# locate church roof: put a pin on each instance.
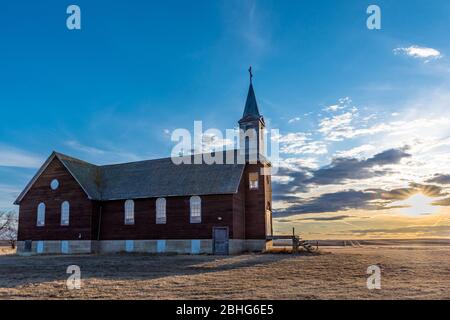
(148, 179)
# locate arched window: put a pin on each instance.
(65, 213)
(41, 215)
(161, 211)
(129, 212)
(196, 209)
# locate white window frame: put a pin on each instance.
(129, 212)
(253, 181)
(195, 209)
(161, 217)
(65, 213)
(40, 219)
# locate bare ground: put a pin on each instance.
(421, 272)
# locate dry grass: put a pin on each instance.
(407, 273)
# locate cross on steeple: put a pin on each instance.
(251, 74)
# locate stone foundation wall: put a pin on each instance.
(236, 246)
(56, 247)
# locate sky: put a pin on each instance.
(363, 115)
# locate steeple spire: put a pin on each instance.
(251, 106)
(251, 137)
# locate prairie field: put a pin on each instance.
(407, 272)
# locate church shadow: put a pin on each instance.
(33, 270)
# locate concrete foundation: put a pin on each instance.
(193, 246)
(56, 247)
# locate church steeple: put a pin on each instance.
(252, 124)
(251, 106)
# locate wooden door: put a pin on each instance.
(220, 241)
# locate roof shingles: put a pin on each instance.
(153, 178)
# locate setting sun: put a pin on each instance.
(418, 204)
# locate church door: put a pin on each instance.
(220, 239)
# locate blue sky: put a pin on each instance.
(114, 90)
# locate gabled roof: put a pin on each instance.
(86, 174)
(163, 178)
(148, 179)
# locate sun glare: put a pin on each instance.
(418, 204)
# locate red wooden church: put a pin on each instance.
(71, 206)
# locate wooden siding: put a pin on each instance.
(69, 190)
(239, 211)
(256, 204)
(178, 226)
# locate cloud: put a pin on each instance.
(439, 230)
(340, 127)
(300, 143)
(7, 196)
(293, 179)
(417, 52)
(334, 108)
(342, 169)
(83, 148)
(442, 202)
(440, 179)
(355, 152)
(251, 23)
(13, 157)
(104, 156)
(336, 127)
(369, 199)
(334, 218)
(331, 202)
(294, 120)
(343, 103)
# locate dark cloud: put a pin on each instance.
(335, 218)
(405, 193)
(284, 191)
(440, 179)
(442, 202)
(370, 199)
(439, 230)
(331, 202)
(342, 169)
